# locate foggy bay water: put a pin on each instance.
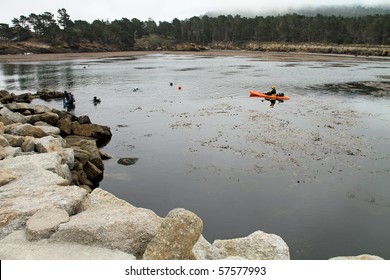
(314, 170)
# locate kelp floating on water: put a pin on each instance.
(374, 88)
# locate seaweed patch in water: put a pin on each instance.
(242, 66)
(190, 69)
(144, 68)
(340, 65)
(379, 89)
(290, 65)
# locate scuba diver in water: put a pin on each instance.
(96, 100)
(69, 101)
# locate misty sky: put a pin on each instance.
(159, 10)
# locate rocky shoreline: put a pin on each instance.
(37, 47)
(51, 207)
(36, 128)
(270, 54)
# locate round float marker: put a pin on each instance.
(179, 88)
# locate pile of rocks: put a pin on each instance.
(45, 94)
(27, 129)
(8, 97)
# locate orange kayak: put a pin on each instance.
(263, 95)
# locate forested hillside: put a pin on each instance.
(123, 34)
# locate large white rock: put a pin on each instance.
(12, 116)
(47, 117)
(18, 205)
(45, 222)
(364, 257)
(50, 130)
(25, 130)
(49, 144)
(34, 108)
(257, 246)
(16, 247)
(102, 198)
(111, 224)
(30, 166)
(37, 186)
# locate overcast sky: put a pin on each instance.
(158, 10)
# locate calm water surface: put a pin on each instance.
(314, 170)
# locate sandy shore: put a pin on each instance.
(280, 56)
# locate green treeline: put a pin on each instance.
(204, 30)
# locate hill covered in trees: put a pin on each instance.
(49, 33)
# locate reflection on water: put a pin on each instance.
(30, 76)
(313, 170)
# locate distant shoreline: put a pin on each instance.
(282, 56)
